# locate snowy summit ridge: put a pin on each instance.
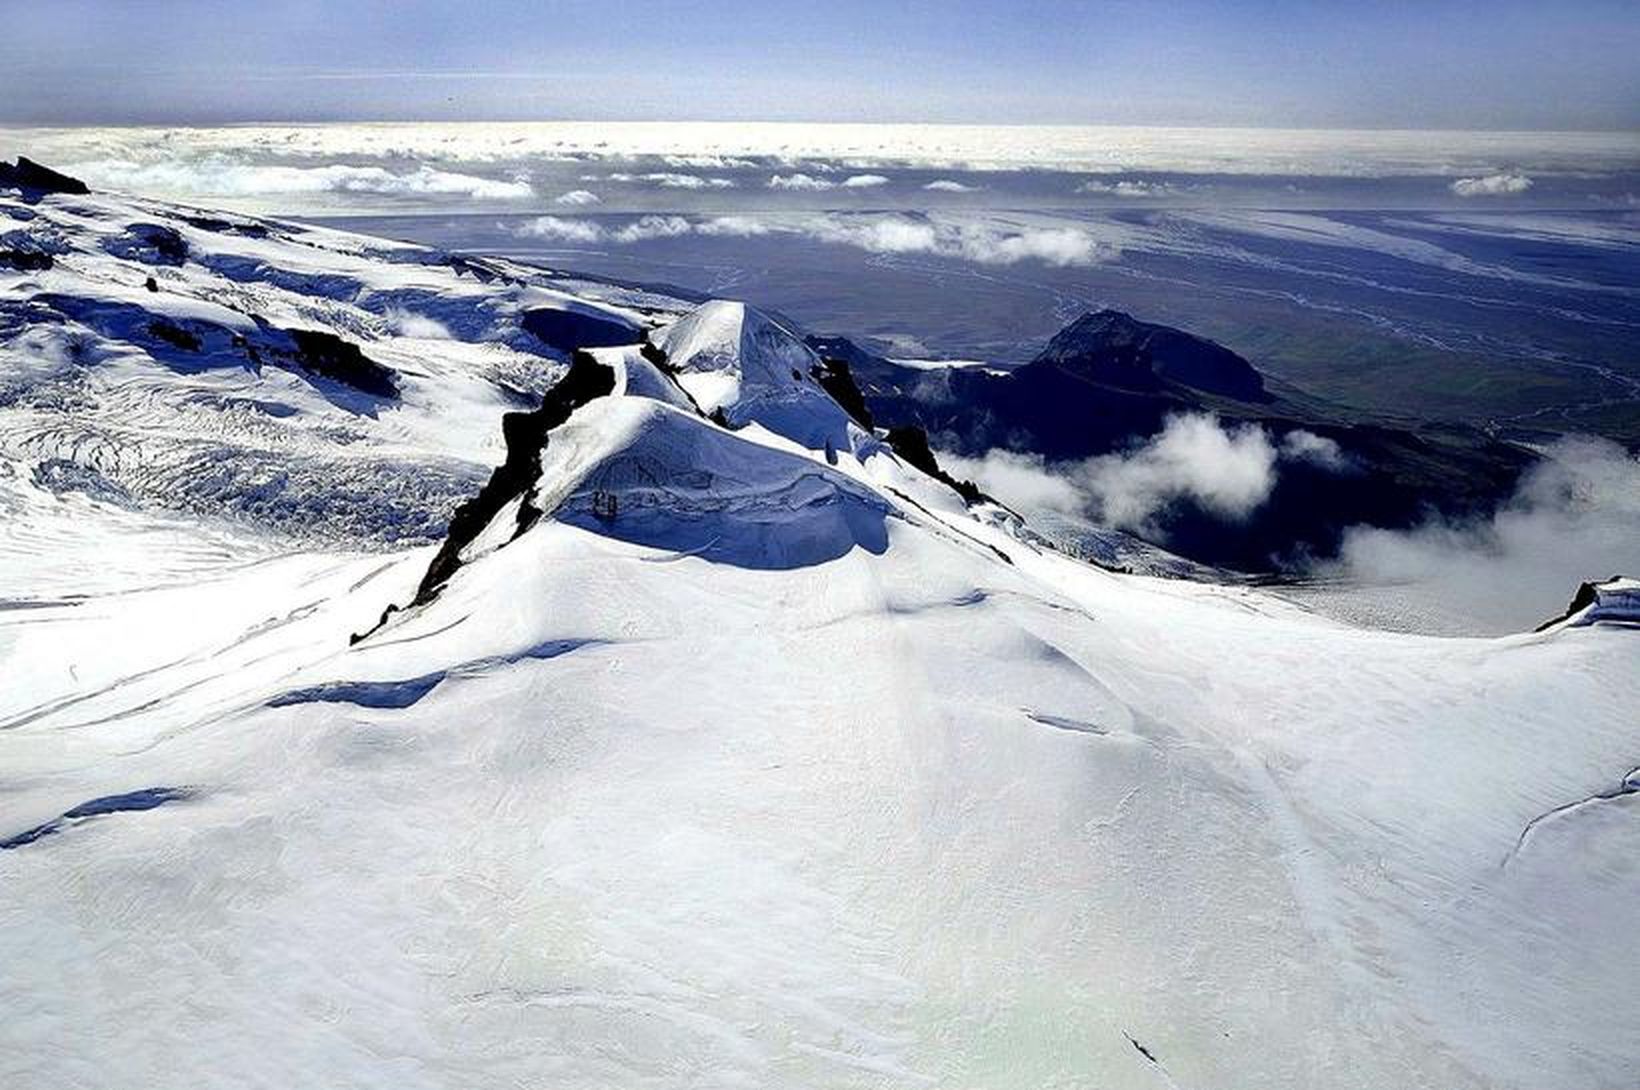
(693, 736)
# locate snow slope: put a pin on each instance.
(735, 360)
(783, 769)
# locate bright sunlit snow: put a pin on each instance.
(759, 760)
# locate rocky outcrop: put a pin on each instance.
(174, 335)
(526, 437)
(332, 357)
(31, 177)
(151, 244)
(245, 228)
(911, 443)
(1615, 600)
(834, 377)
(25, 260)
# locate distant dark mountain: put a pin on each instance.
(1115, 349)
(1107, 382)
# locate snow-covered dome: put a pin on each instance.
(736, 360)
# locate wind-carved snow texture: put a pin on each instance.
(1628, 785)
(130, 801)
(402, 694)
(735, 750)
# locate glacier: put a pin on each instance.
(733, 749)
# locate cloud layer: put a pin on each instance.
(1229, 470)
(221, 177)
(1492, 185)
(1129, 188)
(808, 148)
(667, 179)
(1575, 517)
(884, 234)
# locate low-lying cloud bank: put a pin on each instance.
(801, 147)
(1129, 188)
(221, 177)
(1229, 470)
(1492, 185)
(811, 183)
(666, 179)
(886, 234)
(1575, 517)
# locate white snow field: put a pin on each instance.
(758, 760)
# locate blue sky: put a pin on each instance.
(1437, 64)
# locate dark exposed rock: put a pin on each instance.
(483, 271)
(166, 242)
(151, 244)
(526, 437)
(1613, 599)
(568, 330)
(1142, 1050)
(174, 335)
(25, 260)
(656, 355)
(30, 176)
(834, 377)
(329, 355)
(911, 443)
(247, 228)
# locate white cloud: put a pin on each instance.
(219, 176)
(709, 162)
(1492, 185)
(1052, 246)
(1128, 188)
(864, 181)
(653, 227)
(733, 227)
(1229, 470)
(799, 182)
(884, 234)
(559, 229)
(950, 185)
(881, 235)
(1306, 446)
(1575, 517)
(408, 324)
(578, 197)
(490, 150)
(1023, 481)
(974, 242)
(672, 180)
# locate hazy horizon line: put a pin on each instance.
(833, 122)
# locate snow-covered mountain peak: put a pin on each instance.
(743, 364)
